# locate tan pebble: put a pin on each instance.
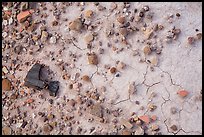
(44, 36)
(66, 77)
(76, 25)
(6, 85)
(123, 31)
(126, 132)
(92, 59)
(199, 36)
(88, 13)
(152, 107)
(147, 50)
(88, 38)
(174, 127)
(121, 19)
(5, 70)
(6, 130)
(148, 33)
(154, 61)
(154, 127)
(86, 78)
(113, 70)
(76, 86)
(121, 65)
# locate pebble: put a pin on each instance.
(86, 78)
(4, 34)
(88, 13)
(121, 19)
(126, 123)
(88, 38)
(154, 61)
(6, 130)
(6, 85)
(21, 17)
(174, 127)
(113, 70)
(191, 40)
(173, 110)
(92, 59)
(139, 131)
(121, 65)
(183, 93)
(126, 132)
(145, 118)
(5, 70)
(96, 110)
(76, 25)
(5, 22)
(147, 50)
(44, 36)
(154, 127)
(53, 40)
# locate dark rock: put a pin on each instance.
(53, 87)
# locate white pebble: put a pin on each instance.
(5, 22)
(4, 34)
(53, 40)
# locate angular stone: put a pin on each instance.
(145, 118)
(126, 123)
(88, 38)
(88, 13)
(97, 110)
(21, 17)
(121, 19)
(183, 93)
(6, 85)
(147, 50)
(92, 59)
(76, 25)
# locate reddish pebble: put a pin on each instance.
(145, 118)
(183, 93)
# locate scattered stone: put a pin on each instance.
(126, 132)
(154, 127)
(148, 33)
(76, 25)
(22, 16)
(88, 38)
(88, 13)
(126, 123)
(121, 65)
(53, 40)
(121, 19)
(4, 34)
(191, 40)
(131, 88)
(47, 128)
(86, 78)
(147, 50)
(183, 93)
(145, 118)
(153, 117)
(44, 36)
(5, 70)
(6, 85)
(154, 61)
(92, 58)
(123, 31)
(139, 131)
(30, 100)
(173, 110)
(152, 107)
(199, 36)
(97, 110)
(174, 127)
(6, 130)
(113, 70)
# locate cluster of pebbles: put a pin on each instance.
(25, 33)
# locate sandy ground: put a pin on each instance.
(145, 81)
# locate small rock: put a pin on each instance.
(183, 93)
(47, 128)
(145, 118)
(132, 88)
(154, 117)
(6, 130)
(191, 40)
(96, 110)
(113, 70)
(44, 36)
(148, 33)
(88, 13)
(76, 86)
(5, 70)
(126, 123)
(50, 116)
(53, 40)
(126, 132)
(152, 107)
(6, 85)
(199, 36)
(174, 127)
(30, 100)
(123, 31)
(4, 34)
(88, 38)
(21, 17)
(76, 25)
(154, 127)
(139, 131)
(92, 59)
(147, 50)
(121, 65)
(86, 78)
(154, 61)
(121, 19)
(173, 110)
